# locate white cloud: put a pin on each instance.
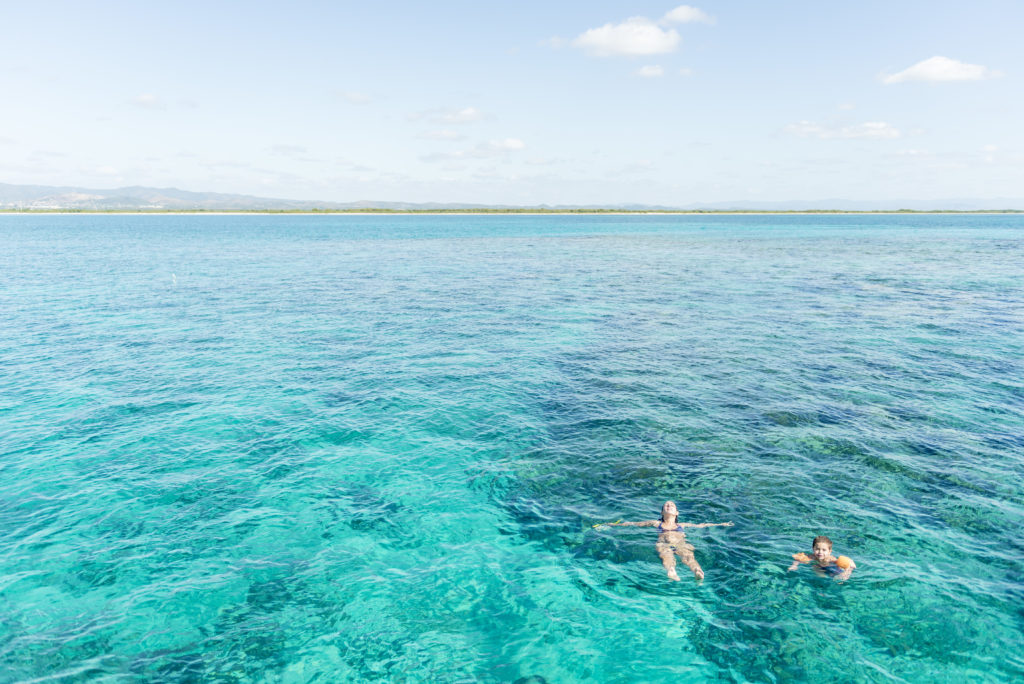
(941, 69)
(466, 115)
(650, 71)
(877, 130)
(356, 98)
(870, 129)
(686, 71)
(105, 171)
(635, 36)
(685, 14)
(148, 101)
(507, 144)
(450, 116)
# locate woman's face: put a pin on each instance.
(669, 509)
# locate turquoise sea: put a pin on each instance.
(372, 448)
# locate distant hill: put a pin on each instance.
(43, 197)
(138, 198)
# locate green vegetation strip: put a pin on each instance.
(524, 210)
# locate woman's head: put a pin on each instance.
(669, 509)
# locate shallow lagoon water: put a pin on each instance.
(323, 448)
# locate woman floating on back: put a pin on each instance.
(823, 561)
(672, 539)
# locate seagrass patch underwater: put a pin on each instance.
(357, 448)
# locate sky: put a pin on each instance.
(525, 103)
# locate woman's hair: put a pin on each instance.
(821, 539)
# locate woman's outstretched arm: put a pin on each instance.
(725, 524)
(639, 523)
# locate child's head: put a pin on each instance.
(822, 547)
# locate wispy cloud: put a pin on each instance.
(876, 130)
(650, 71)
(442, 135)
(435, 157)
(294, 152)
(635, 167)
(215, 164)
(148, 101)
(287, 150)
(685, 14)
(635, 36)
(941, 69)
(355, 98)
(507, 144)
(450, 116)
(466, 115)
(486, 150)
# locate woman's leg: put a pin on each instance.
(668, 560)
(689, 561)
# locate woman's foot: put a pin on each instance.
(673, 575)
(698, 573)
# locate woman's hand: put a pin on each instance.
(598, 526)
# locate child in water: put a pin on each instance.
(823, 561)
(672, 540)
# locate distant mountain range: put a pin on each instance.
(138, 198)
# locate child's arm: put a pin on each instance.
(725, 524)
(798, 558)
(847, 566)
